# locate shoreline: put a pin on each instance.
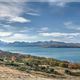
(35, 54)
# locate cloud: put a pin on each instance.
(12, 11)
(5, 34)
(72, 26)
(43, 0)
(13, 0)
(68, 23)
(65, 37)
(19, 19)
(11, 33)
(55, 2)
(33, 14)
(58, 34)
(15, 29)
(18, 37)
(51, 2)
(60, 3)
(43, 29)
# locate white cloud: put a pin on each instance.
(12, 11)
(47, 0)
(65, 37)
(17, 37)
(58, 34)
(22, 36)
(52, 2)
(55, 2)
(5, 34)
(60, 2)
(13, 29)
(19, 19)
(43, 29)
(72, 26)
(33, 14)
(68, 23)
(13, 0)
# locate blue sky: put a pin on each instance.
(40, 20)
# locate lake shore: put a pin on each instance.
(68, 54)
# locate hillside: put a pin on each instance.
(15, 66)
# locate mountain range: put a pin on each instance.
(46, 44)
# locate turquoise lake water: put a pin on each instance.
(67, 54)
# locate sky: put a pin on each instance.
(40, 20)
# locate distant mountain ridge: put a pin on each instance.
(47, 44)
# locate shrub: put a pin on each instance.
(50, 70)
(1, 59)
(74, 66)
(43, 68)
(76, 74)
(12, 63)
(65, 65)
(68, 72)
(72, 73)
(22, 68)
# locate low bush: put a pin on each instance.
(72, 73)
(12, 63)
(1, 59)
(74, 66)
(22, 68)
(65, 65)
(50, 70)
(68, 72)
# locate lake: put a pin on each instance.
(67, 54)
